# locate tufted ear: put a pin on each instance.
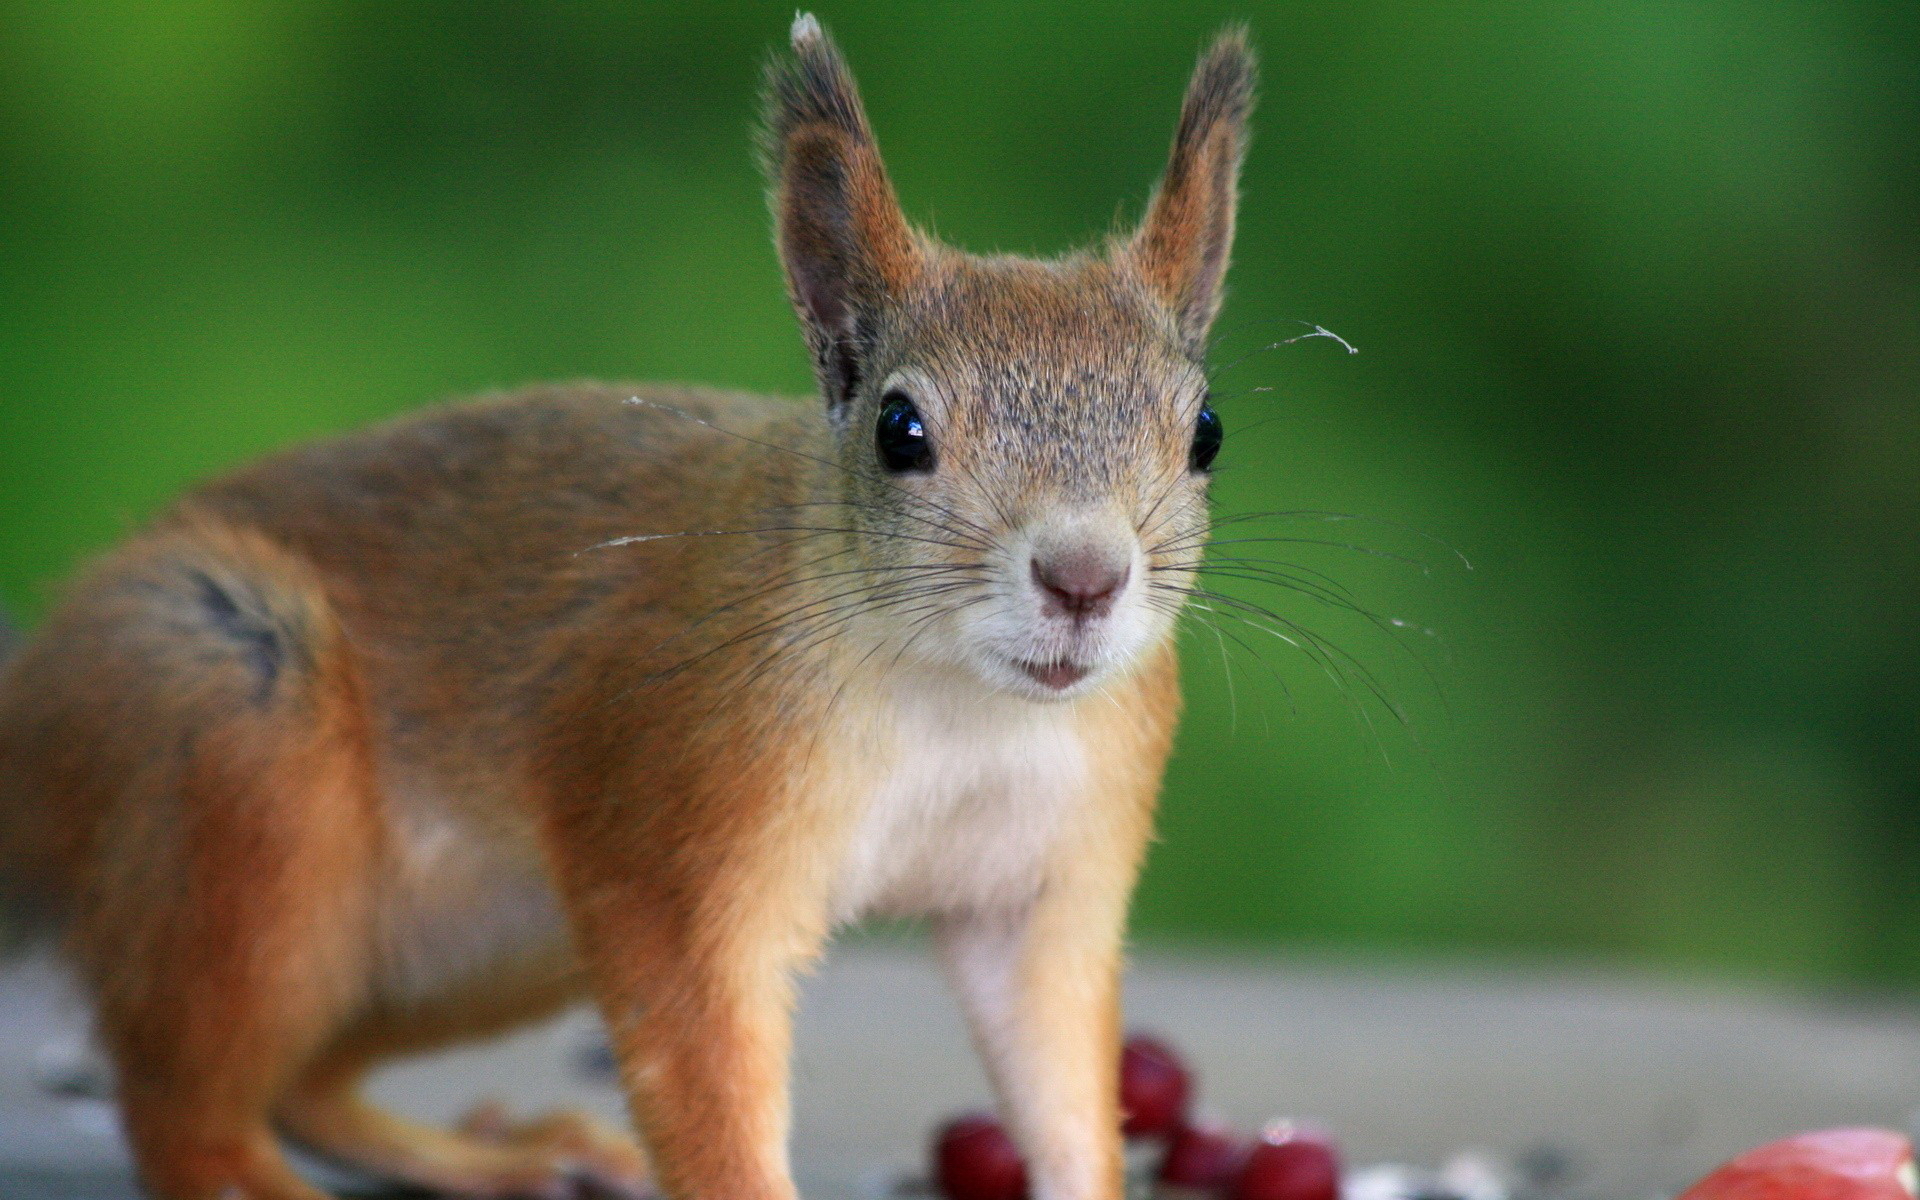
(1182, 246)
(846, 247)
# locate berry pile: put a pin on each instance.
(1185, 1159)
(974, 1159)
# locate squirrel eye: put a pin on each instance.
(1207, 433)
(900, 435)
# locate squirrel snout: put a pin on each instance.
(1080, 583)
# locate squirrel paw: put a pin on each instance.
(604, 1163)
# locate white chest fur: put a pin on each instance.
(968, 800)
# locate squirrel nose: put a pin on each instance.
(1081, 583)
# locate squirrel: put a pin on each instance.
(637, 694)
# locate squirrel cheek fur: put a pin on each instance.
(637, 693)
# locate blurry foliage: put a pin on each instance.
(1635, 285)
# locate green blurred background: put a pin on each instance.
(1636, 286)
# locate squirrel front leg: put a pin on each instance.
(705, 1059)
(1041, 989)
(695, 986)
(702, 1035)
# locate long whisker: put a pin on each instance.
(784, 584)
(1204, 613)
(922, 617)
(1392, 627)
(1335, 660)
(1198, 542)
(634, 538)
(1148, 525)
(1308, 514)
(1279, 575)
(972, 541)
(846, 599)
(1324, 579)
(818, 627)
(814, 458)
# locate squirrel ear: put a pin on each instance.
(844, 243)
(1182, 246)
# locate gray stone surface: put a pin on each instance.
(1644, 1084)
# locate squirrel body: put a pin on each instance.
(638, 693)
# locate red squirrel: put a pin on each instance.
(638, 694)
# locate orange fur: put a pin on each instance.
(636, 693)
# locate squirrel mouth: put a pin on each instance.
(1060, 674)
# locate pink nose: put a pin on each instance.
(1081, 584)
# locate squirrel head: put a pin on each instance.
(1024, 445)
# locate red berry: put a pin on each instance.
(1154, 1089)
(1837, 1164)
(1288, 1163)
(1203, 1156)
(974, 1159)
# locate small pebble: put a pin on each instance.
(1476, 1175)
(1468, 1176)
(594, 1061)
(1384, 1181)
(73, 1070)
(1544, 1170)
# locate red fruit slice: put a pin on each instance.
(974, 1159)
(1288, 1163)
(1154, 1088)
(1203, 1157)
(1836, 1164)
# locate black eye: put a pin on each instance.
(900, 436)
(1206, 438)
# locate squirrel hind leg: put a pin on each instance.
(491, 1153)
(221, 888)
(490, 1156)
